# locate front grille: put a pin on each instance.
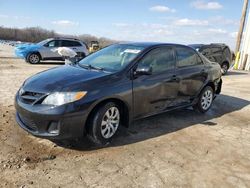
(30, 97)
(29, 123)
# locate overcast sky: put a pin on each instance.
(176, 21)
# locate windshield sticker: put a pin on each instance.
(132, 51)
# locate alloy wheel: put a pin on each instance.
(34, 58)
(207, 99)
(110, 122)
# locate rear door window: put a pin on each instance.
(75, 43)
(227, 52)
(187, 57)
(68, 43)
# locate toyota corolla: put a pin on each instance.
(114, 86)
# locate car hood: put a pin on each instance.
(63, 78)
(27, 47)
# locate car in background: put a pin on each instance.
(112, 87)
(94, 46)
(47, 49)
(216, 52)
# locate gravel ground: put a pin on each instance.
(176, 149)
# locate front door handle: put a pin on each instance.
(175, 78)
(203, 71)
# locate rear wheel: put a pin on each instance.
(34, 58)
(224, 68)
(205, 99)
(104, 123)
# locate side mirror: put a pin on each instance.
(143, 71)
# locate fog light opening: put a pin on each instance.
(53, 128)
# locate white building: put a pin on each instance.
(245, 47)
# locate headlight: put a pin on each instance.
(21, 91)
(60, 98)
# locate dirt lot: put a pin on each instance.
(177, 149)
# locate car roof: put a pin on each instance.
(68, 38)
(150, 44)
(64, 38)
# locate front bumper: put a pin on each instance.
(20, 53)
(57, 123)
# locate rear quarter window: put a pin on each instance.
(205, 51)
(216, 50)
(227, 52)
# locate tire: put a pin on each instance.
(205, 100)
(34, 58)
(224, 68)
(103, 128)
(81, 55)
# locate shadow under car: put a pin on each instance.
(164, 123)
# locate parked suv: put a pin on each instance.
(47, 49)
(112, 87)
(216, 52)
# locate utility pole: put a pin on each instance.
(242, 23)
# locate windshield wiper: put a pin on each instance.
(88, 66)
(95, 67)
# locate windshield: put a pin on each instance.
(43, 42)
(112, 58)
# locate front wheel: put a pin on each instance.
(205, 100)
(104, 123)
(34, 58)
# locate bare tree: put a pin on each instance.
(36, 34)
